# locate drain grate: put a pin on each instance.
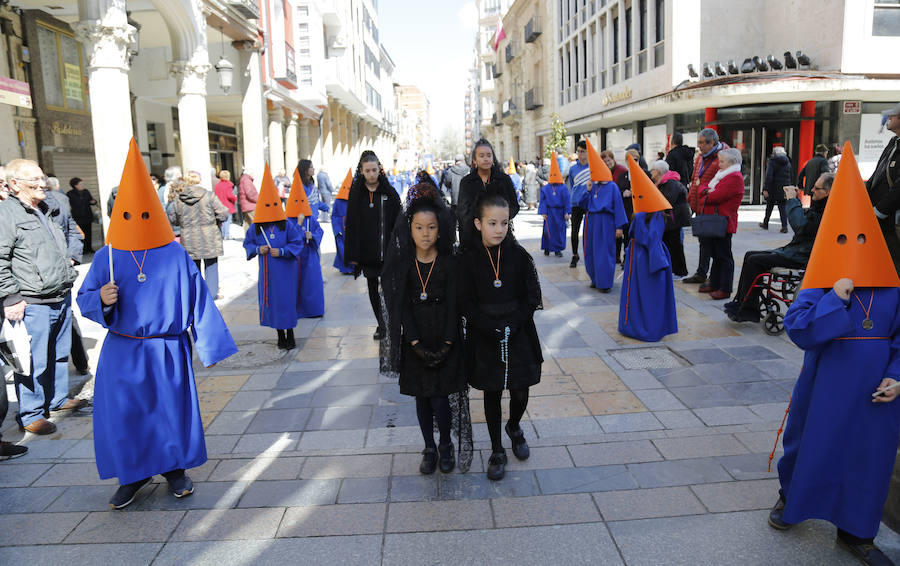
(254, 355)
(647, 358)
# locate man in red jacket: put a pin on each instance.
(706, 165)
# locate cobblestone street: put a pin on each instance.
(642, 454)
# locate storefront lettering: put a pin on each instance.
(612, 98)
(61, 129)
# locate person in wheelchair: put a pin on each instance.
(745, 307)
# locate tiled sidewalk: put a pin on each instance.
(314, 455)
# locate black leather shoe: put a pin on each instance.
(429, 461)
(763, 226)
(447, 460)
(695, 278)
(784, 230)
(865, 553)
(574, 263)
(379, 333)
(497, 466)
(519, 445)
(607, 290)
(125, 495)
(775, 520)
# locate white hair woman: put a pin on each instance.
(669, 184)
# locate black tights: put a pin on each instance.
(427, 408)
(518, 401)
(372, 283)
(577, 217)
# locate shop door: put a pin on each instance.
(776, 135)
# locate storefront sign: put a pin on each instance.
(872, 141)
(72, 82)
(15, 92)
(612, 98)
(654, 142)
(852, 107)
(63, 129)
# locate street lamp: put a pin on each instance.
(224, 69)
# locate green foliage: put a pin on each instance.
(557, 141)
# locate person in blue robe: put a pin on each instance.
(604, 220)
(338, 219)
(555, 206)
(839, 445)
(395, 181)
(517, 184)
(647, 303)
(311, 294)
(146, 413)
(278, 279)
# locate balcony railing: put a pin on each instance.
(247, 8)
(510, 51)
(508, 108)
(496, 69)
(532, 29)
(533, 99)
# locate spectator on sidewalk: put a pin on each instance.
(670, 186)
(706, 165)
(723, 196)
(778, 175)
(882, 185)
(81, 203)
(283, 185)
(326, 190)
(247, 196)
(814, 169)
(681, 158)
(225, 191)
(36, 277)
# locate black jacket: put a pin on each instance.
(81, 202)
(59, 212)
(469, 189)
(811, 173)
(884, 184)
(681, 160)
(778, 174)
(805, 224)
(387, 204)
(676, 194)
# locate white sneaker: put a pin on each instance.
(677, 277)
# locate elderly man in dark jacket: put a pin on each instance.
(884, 186)
(36, 277)
(745, 307)
(778, 175)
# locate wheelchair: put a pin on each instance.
(776, 288)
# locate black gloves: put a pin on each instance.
(437, 358)
(421, 352)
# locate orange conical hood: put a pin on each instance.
(511, 168)
(429, 169)
(344, 191)
(138, 221)
(646, 196)
(555, 174)
(849, 242)
(599, 171)
(268, 206)
(297, 205)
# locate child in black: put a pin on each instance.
(498, 294)
(422, 342)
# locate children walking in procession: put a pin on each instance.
(311, 295)
(647, 303)
(278, 244)
(555, 207)
(842, 427)
(338, 222)
(423, 326)
(498, 294)
(145, 289)
(604, 222)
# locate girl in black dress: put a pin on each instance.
(498, 294)
(423, 330)
(486, 177)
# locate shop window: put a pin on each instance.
(62, 69)
(886, 18)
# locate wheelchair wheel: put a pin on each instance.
(789, 287)
(767, 306)
(773, 324)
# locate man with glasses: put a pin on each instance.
(884, 185)
(36, 277)
(795, 255)
(706, 165)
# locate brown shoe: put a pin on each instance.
(41, 427)
(71, 405)
(706, 289)
(718, 295)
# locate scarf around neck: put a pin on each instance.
(736, 168)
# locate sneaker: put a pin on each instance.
(181, 486)
(497, 466)
(429, 461)
(519, 445)
(8, 450)
(574, 263)
(696, 278)
(775, 520)
(865, 553)
(125, 495)
(677, 277)
(447, 460)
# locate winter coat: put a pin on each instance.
(530, 184)
(452, 180)
(671, 188)
(199, 214)
(367, 229)
(60, 214)
(247, 193)
(727, 196)
(805, 224)
(705, 168)
(779, 173)
(81, 203)
(623, 181)
(681, 160)
(34, 257)
(884, 184)
(811, 172)
(469, 189)
(225, 191)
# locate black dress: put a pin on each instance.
(433, 322)
(469, 188)
(488, 309)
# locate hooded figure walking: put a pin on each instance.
(604, 222)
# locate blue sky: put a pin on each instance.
(431, 43)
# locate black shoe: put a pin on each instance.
(8, 450)
(429, 461)
(497, 466)
(180, 486)
(379, 333)
(593, 286)
(519, 445)
(742, 316)
(865, 553)
(126, 493)
(763, 226)
(607, 290)
(574, 263)
(546, 252)
(784, 231)
(447, 459)
(732, 306)
(695, 278)
(558, 254)
(775, 520)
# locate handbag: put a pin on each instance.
(709, 225)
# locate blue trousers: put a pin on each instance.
(47, 388)
(210, 274)
(226, 225)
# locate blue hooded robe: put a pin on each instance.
(338, 220)
(556, 204)
(146, 414)
(279, 277)
(311, 293)
(647, 303)
(839, 446)
(517, 184)
(604, 214)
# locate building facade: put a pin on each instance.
(414, 137)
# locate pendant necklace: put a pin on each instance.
(424, 295)
(497, 282)
(371, 194)
(867, 323)
(141, 276)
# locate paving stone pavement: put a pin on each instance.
(312, 454)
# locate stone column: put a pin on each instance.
(276, 140)
(106, 45)
(252, 110)
(304, 146)
(192, 125)
(291, 155)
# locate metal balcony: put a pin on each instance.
(508, 108)
(533, 99)
(510, 52)
(247, 8)
(532, 29)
